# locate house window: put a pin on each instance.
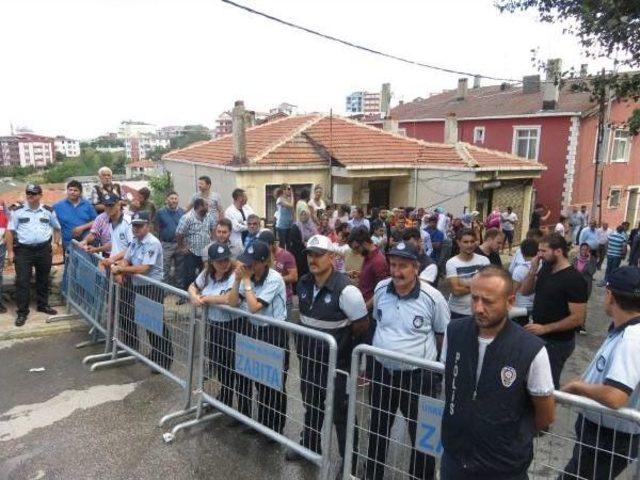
(478, 135)
(620, 146)
(526, 142)
(614, 197)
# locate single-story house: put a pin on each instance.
(357, 164)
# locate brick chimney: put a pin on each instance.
(476, 81)
(451, 129)
(385, 99)
(238, 117)
(463, 87)
(531, 84)
(551, 91)
(390, 125)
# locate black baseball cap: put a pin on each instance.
(218, 252)
(267, 237)
(257, 251)
(625, 280)
(110, 199)
(140, 218)
(33, 188)
(404, 250)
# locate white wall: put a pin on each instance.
(445, 188)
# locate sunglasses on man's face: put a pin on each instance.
(31, 194)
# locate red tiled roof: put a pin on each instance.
(51, 193)
(308, 139)
(491, 101)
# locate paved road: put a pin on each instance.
(68, 423)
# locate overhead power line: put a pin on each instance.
(364, 48)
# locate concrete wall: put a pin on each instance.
(446, 188)
(184, 177)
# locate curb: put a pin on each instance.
(44, 330)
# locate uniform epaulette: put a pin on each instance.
(47, 207)
(16, 206)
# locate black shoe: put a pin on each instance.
(20, 320)
(154, 371)
(3, 309)
(48, 310)
(292, 455)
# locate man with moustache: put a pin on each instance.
(328, 303)
(411, 317)
(498, 387)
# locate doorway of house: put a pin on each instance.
(379, 193)
(483, 202)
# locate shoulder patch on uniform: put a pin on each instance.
(601, 363)
(418, 321)
(47, 207)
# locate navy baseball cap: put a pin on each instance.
(140, 218)
(625, 280)
(267, 237)
(34, 189)
(218, 252)
(256, 252)
(404, 250)
(110, 199)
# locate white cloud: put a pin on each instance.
(80, 67)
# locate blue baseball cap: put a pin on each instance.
(218, 252)
(110, 199)
(256, 252)
(141, 218)
(625, 280)
(404, 250)
(267, 237)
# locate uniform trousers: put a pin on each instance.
(27, 257)
(599, 452)
(161, 347)
(391, 389)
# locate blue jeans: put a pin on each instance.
(612, 264)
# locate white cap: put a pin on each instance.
(320, 244)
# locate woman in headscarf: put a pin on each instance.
(301, 232)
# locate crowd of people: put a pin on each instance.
(430, 285)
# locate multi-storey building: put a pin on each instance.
(137, 148)
(26, 149)
(67, 146)
(363, 103)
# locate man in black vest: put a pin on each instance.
(498, 387)
(329, 303)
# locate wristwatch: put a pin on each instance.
(248, 289)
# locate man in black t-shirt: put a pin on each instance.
(560, 304)
(492, 245)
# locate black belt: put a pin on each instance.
(35, 246)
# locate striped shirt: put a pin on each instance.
(617, 241)
(196, 231)
(101, 230)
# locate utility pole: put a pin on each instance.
(603, 97)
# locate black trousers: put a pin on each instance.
(314, 361)
(221, 353)
(272, 403)
(450, 470)
(26, 258)
(389, 390)
(559, 352)
(161, 346)
(592, 454)
(192, 266)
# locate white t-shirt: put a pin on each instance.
(321, 205)
(507, 221)
(429, 274)
(518, 275)
(351, 302)
(539, 379)
(464, 270)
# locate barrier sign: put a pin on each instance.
(149, 314)
(428, 430)
(260, 361)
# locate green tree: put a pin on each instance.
(160, 186)
(605, 28)
(191, 134)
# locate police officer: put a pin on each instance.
(29, 234)
(330, 303)
(607, 445)
(411, 317)
(498, 387)
(142, 257)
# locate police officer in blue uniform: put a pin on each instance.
(498, 387)
(606, 445)
(142, 257)
(411, 318)
(328, 303)
(29, 234)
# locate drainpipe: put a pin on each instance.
(415, 185)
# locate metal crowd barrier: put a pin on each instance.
(587, 441)
(394, 424)
(394, 427)
(155, 324)
(275, 377)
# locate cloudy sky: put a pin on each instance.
(79, 67)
